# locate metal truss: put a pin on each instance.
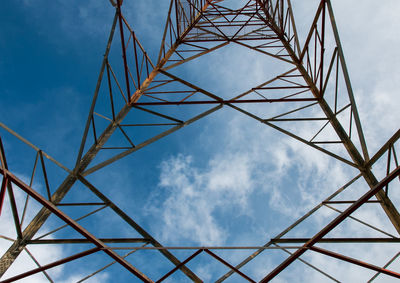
(145, 95)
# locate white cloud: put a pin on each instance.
(194, 195)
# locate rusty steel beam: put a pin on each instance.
(86, 241)
(204, 249)
(362, 162)
(33, 146)
(288, 229)
(355, 155)
(2, 194)
(121, 31)
(337, 240)
(384, 148)
(395, 173)
(348, 82)
(229, 265)
(357, 262)
(311, 144)
(196, 253)
(53, 209)
(6, 185)
(241, 101)
(38, 265)
(386, 265)
(96, 91)
(147, 142)
(312, 266)
(139, 229)
(18, 246)
(51, 265)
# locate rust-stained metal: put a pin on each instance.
(51, 207)
(196, 253)
(395, 173)
(2, 193)
(229, 265)
(63, 189)
(226, 101)
(121, 30)
(51, 265)
(193, 29)
(7, 184)
(385, 266)
(357, 262)
(338, 240)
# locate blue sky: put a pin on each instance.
(217, 181)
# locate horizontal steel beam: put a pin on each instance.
(225, 101)
(86, 241)
(332, 224)
(51, 207)
(338, 240)
(357, 262)
(51, 265)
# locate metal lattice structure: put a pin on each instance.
(140, 94)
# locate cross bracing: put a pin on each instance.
(140, 99)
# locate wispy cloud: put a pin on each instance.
(194, 195)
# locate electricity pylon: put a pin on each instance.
(314, 91)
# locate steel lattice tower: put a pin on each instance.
(313, 90)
